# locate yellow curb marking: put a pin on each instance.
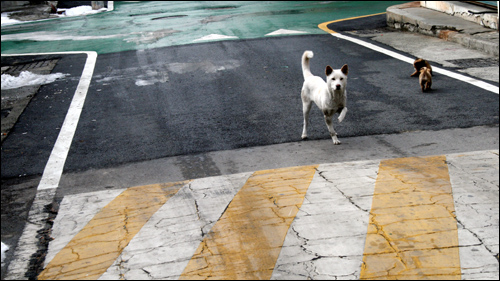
(246, 241)
(96, 247)
(412, 233)
(324, 26)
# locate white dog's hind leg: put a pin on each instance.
(342, 114)
(333, 134)
(306, 107)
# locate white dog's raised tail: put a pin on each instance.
(306, 71)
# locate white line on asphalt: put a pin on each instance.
(460, 77)
(282, 31)
(54, 168)
(215, 37)
(52, 173)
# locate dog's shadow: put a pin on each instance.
(432, 91)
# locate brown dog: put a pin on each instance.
(418, 64)
(425, 79)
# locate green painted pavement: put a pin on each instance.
(154, 24)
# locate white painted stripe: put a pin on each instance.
(42, 36)
(284, 31)
(474, 177)
(166, 243)
(54, 168)
(326, 239)
(75, 211)
(215, 37)
(46, 191)
(409, 60)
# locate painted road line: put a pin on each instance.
(51, 176)
(215, 37)
(328, 235)
(470, 80)
(246, 241)
(285, 32)
(474, 177)
(76, 211)
(324, 26)
(166, 243)
(54, 167)
(96, 247)
(412, 231)
(325, 241)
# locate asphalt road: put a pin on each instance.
(225, 95)
(30, 142)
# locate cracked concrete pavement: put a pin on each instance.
(305, 222)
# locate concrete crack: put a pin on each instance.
(197, 208)
(122, 268)
(478, 238)
(343, 194)
(147, 272)
(381, 232)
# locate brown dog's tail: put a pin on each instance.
(305, 63)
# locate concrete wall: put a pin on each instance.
(461, 9)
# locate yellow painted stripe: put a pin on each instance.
(246, 241)
(95, 248)
(412, 233)
(324, 26)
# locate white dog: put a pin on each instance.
(330, 97)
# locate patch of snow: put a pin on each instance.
(5, 248)
(141, 82)
(27, 78)
(72, 12)
(79, 11)
(8, 21)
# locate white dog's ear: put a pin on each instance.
(344, 69)
(328, 70)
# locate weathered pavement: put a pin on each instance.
(318, 253)
(431, 217)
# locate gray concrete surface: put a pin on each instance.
(414, 18)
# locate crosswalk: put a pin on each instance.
(406, 218)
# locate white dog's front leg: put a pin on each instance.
(342, 114)
(333, 134)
